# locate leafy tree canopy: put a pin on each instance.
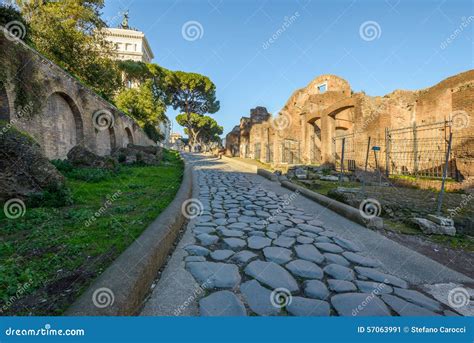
(142, 103)
(69, 33)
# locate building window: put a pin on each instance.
(323, 87)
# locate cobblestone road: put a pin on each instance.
(257, 254)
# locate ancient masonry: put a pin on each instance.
(409, 129)
(69, 113)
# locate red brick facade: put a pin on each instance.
(311, 126)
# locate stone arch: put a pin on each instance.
(61, 125)
(4, 104)
(334, 119)
(128, 137)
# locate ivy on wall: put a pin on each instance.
(19, 68)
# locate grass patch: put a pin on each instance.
(324, 187)
(50, 255)
(458, 242)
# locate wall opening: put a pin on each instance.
(61, 126)
(4, 105)
(128, 137)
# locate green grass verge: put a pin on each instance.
(50, 255)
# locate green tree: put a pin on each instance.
(70, 34)
(194, 95)
(8, 16)
(210, 132)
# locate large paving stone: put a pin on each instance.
(304, 240)
(404, 308)
(305, 269)
(196, 250)
(207, 239)
(329, 247)
(309, 252)
(347, 244)
(271, 274)
(258, 298)
(304, 307)
(375, 287)
(235, 243)
(341, 286)
(231, 233)
(339, 272)
(220, 255)
(277, 254)
(246, 219)
(222, 303)
(361, 260)
(238, 226)
(243, 257)
(310, 228)
(322, 239)
(215, 274)
(418, 298)
(275, 227)
(291, 232)
(257, 243)
(381, 277)
(359, 304)
(285, 242)
(315, 289)
(203, 229)
(336, 258)
(195, 259)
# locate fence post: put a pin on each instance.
(445, 171)
(415, 150)
(342, 160)
(387, 156)
(365, 167)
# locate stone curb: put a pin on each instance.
(127, 281)
(345, 210)
(267, 174)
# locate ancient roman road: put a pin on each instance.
(253, 250)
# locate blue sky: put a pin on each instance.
(408, 51)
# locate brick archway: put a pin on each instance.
(330, 124)
(61, 125)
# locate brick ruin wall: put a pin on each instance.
(65, 116)
(310, 127)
